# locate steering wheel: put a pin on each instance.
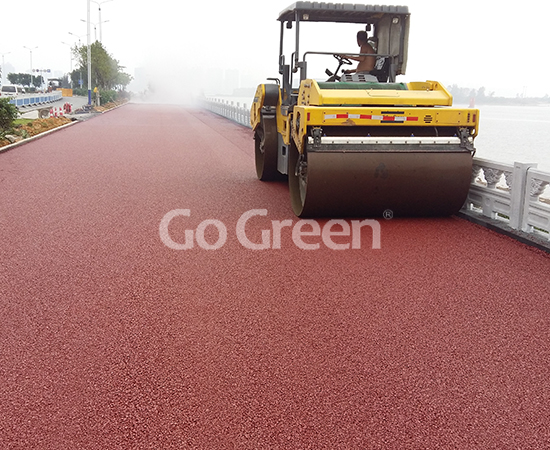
(342, 59)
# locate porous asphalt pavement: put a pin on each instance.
(109, 339)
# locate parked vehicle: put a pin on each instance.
(10, 90)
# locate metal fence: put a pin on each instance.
(35, 99)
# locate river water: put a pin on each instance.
(511, 134)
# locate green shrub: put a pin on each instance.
(8, 113)
(80, 91)
(107, 96)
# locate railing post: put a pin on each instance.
(535, 213)
(518, 187)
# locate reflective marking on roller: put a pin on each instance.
(394, 140)
(371, 117)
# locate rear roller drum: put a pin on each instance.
(297, 180)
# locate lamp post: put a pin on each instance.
(100, 22)
(2, 75)
(94, 24)
(95, 29)
(30, 50)
(77, 36)
(80, 81)
(70, 62)
(89, 59)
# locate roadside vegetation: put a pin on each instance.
(26, 128)
(107, 73)
(24, 79)
(8, 114)
(13, 129)
(106, 96)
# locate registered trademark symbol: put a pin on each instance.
(388, 214)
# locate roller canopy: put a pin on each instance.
(391, 24)
(339, 12)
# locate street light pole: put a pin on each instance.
(2, 74)
(30, 50)
(80, 80)
(71, 63)
(100, 22)
(89, 60)
(78, 37)
(95, 29)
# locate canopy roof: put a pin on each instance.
(339, 12)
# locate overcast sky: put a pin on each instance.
(469, 43)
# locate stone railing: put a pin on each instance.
(229, 109)
(514, 194)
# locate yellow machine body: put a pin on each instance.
(415, 106)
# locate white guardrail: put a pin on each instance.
(516, 194)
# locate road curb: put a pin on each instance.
(38, 136)
(501, 227)
(74, 119)
(91, 115)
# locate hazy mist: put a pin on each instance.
(182, 49)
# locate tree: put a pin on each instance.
(24, 79)
(481, 93)
(65, 82)
(107, 73)
(8, 113)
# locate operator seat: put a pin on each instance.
(382, 68)
(361, 77)
(380, 73)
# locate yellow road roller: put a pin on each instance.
(358, 143)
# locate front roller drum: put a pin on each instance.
(265, 149)
(372, 184)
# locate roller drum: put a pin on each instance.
(265, 149)
(367, 184)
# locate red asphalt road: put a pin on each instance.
(111, 340)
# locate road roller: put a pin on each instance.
(360, 143)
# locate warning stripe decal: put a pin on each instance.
(371, 117)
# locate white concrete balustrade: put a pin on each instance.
(231, 110)
(517, 194)
(512, 193)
